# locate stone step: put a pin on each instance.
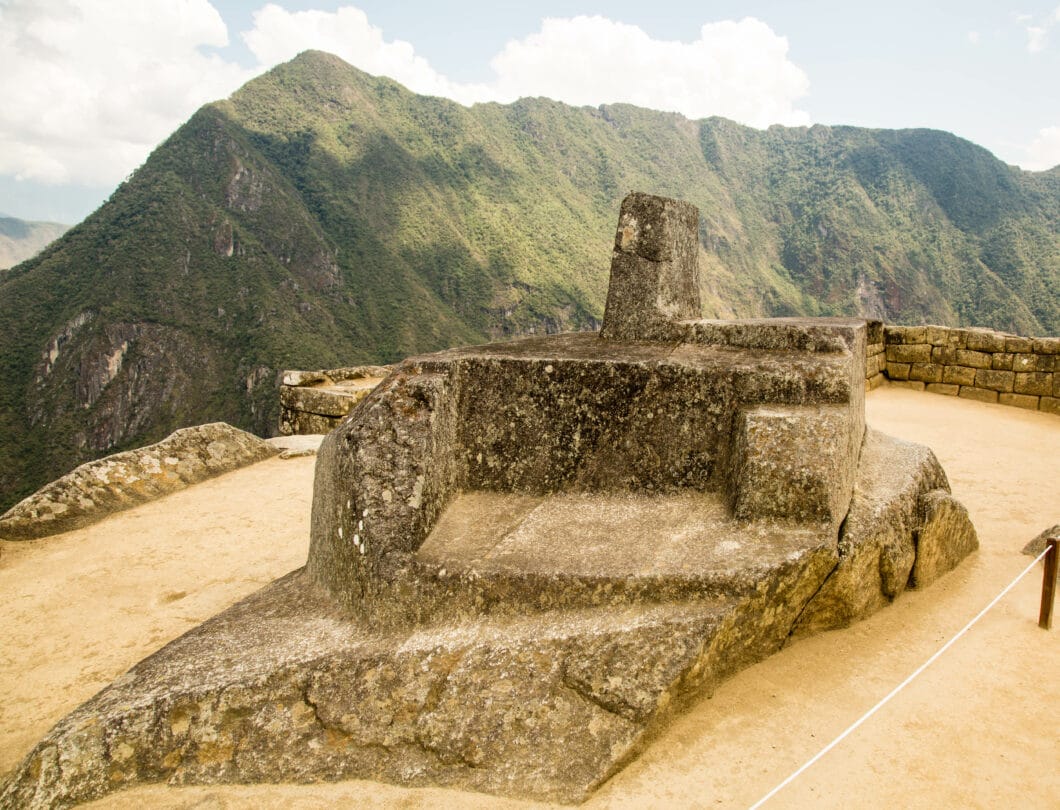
(629, 545)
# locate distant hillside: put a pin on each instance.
(21, 240)
(323, 217)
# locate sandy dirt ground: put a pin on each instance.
(977, 729)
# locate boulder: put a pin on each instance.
(99, 488)
(945, 536)
(903, 527)
(1037, 545)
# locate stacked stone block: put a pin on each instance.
(974, 364)
(317, 401)
(875, 354)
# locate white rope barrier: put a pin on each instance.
(896, 689)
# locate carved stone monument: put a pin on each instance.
(527, 556)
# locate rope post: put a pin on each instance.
(1045, 616)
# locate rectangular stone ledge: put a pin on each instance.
(904, 334)
(912, 385)
(926, 372)
(1049, 405)
(898, 371)
(909, 353)
(1001, 381)
(978, 394)
(973, 359)
(943, 336)
(1018, 344)
(1038, 383)
(944, 388)
(316, 401)
(794, 463)
(796, 334)
(984, 340)
(789, 376)
(320, 401)
(958, 375)
(1019, 401)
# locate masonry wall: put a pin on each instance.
(972, 363)
(975, 364)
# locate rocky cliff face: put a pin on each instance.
(114, 381)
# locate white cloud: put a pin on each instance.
(90, 86)
(974, 37)
(1044, 151)
(1036, 35)
(736, 69)
(739, 70)
(279, 35)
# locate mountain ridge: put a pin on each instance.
(323, 217)
(22, 239)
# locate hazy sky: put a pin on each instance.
(89, 87)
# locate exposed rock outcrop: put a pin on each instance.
(901, 516)
(527, 556)
(99, 488)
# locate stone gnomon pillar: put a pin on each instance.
(527, 556)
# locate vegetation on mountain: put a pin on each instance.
(323, 217)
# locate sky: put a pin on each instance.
(89, 87)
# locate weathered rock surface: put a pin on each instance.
(654, 269)
(569, 413)
(94, 490)
(297, 446)
(284, 687)
(525, 557)
(900, 494)
(1037, 545)
(944, 537)
(314, 402)
(972, 363)
(795, 462)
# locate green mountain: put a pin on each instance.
(323, 217)
(21, 239)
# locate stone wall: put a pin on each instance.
(316, 401)
(875, 355)
(975, 364)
